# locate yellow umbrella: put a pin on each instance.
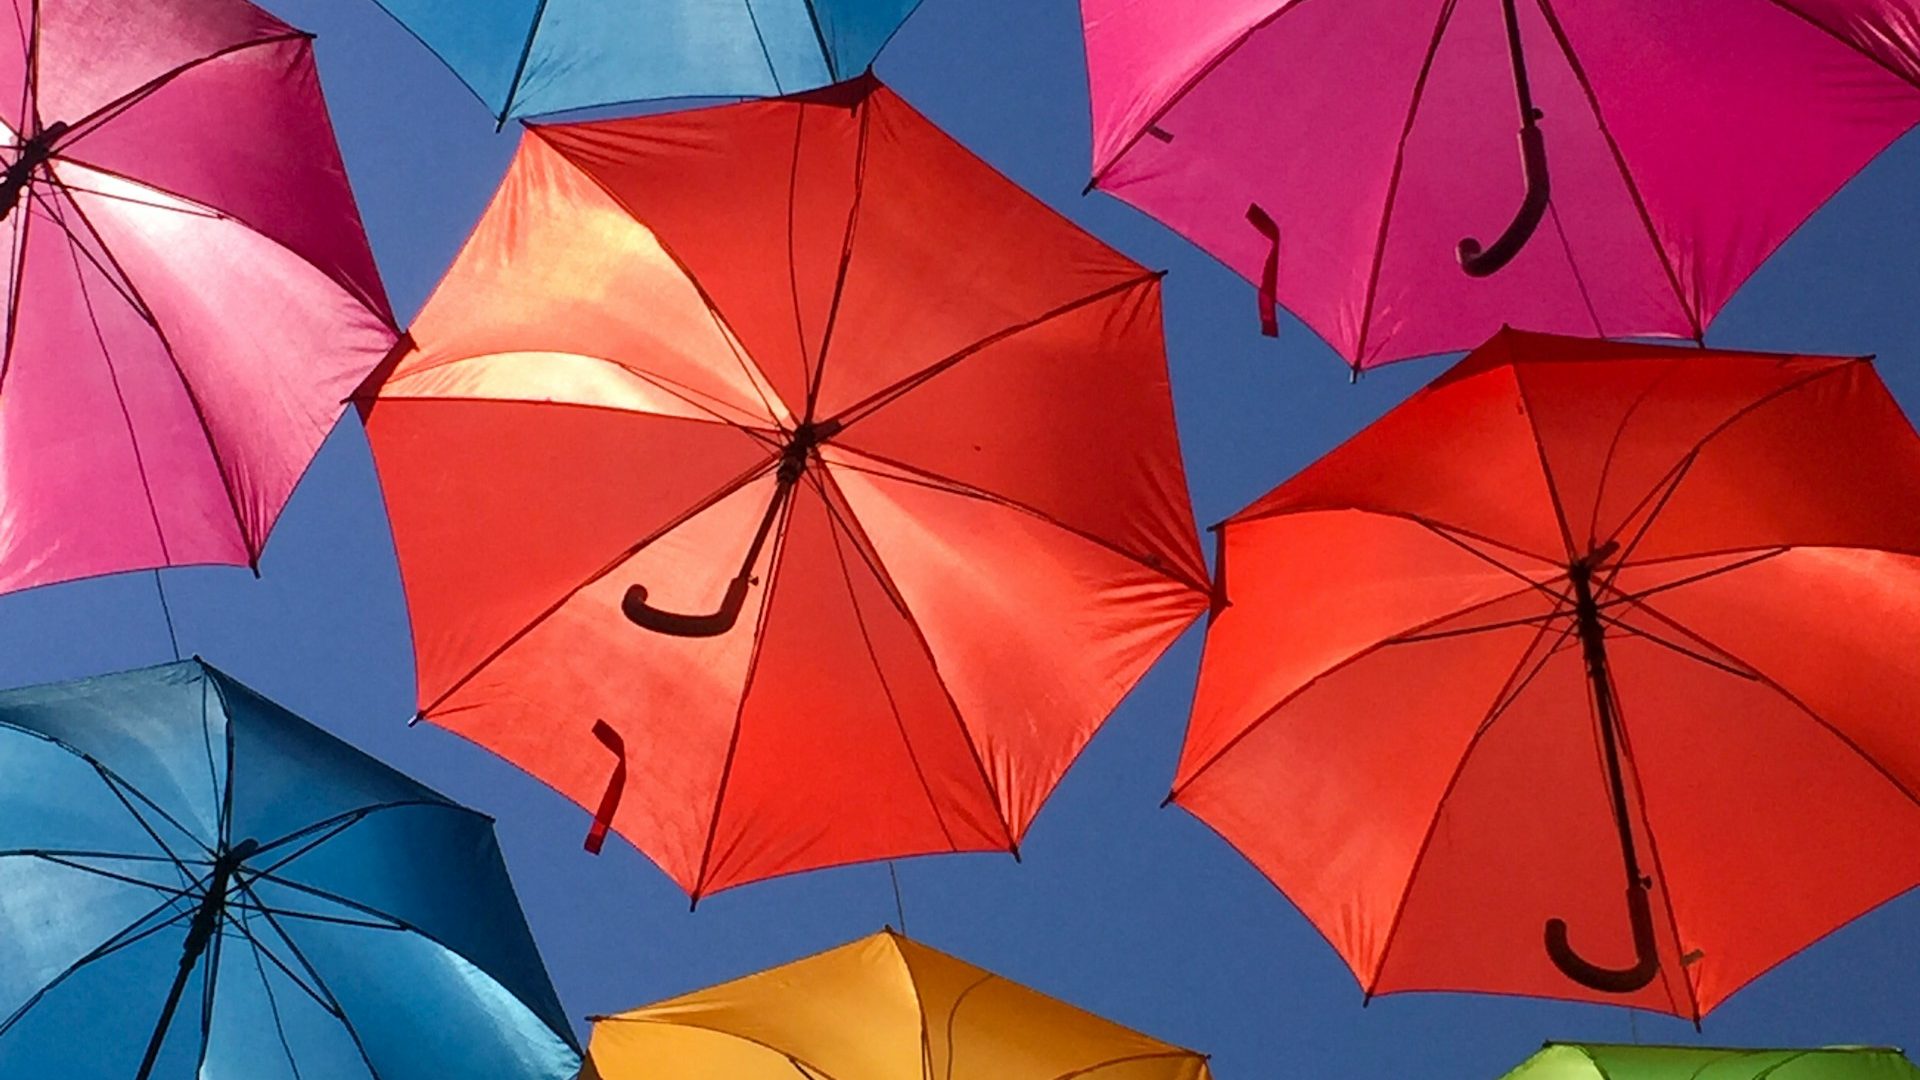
(881, 1008)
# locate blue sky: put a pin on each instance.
(1135, 912)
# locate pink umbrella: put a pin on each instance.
(1338, 153)
(190, 295)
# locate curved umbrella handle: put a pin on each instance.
(644, 615)
(1533, 156)
(1605, 979)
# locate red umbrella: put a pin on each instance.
(1580, 615)
(792, 469)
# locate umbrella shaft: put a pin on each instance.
(1522, 89)
(206, 923)
(1593, 646)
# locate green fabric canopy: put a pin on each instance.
(1594, 1061)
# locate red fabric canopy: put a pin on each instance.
(811, 357)
(1397, 709)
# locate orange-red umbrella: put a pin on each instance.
(792, 470)
(1588, 672)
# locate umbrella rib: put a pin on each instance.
(127, 879)
(885, 396)
(339, 1011)
(1670, 481)
(933, 481)
(1691, 654)
(873, 657)
(1509, 692)
(331, 1008)
(107, 776)
(112, 110)
(50, 208)
(113, 377)
(30, 35)
(760, 435)
(193, 397)
(1613, 446)
(1626, 175)
(720, 321)
(17, 278)
(190, 210)
(1187, 87)
(273, 1006)
(765, 52)
(698, 508)
(863, 544)
(1358, 655)
(1393, 180)
(1445, 530)
(317, 917)
(746, 691)
(793, 261)
(1155, 1055)
(1850, 44)
(331, 897)
(121, 939)
(1793, 699)
(953, 1012)
(1546, 470)
(520, 66)
(846, 255)
(689, 1022)
(1622, 596)
(820, 37)
(341, 821)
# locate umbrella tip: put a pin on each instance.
(1168, 801)
(416, 718)
(1091, 184)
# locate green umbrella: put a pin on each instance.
(1597, 1061)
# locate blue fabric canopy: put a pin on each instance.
(528, 57)
(196, 883)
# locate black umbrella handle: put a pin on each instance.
(793, 462)
(1483, 263)
(674, 624)
(1533, 159)
(1605, 979)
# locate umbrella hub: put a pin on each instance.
(213, 903)
(800, 446)
(30, 156)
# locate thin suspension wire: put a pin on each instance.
(899, 906)
(166, 612)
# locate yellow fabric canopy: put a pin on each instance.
(881, 1008)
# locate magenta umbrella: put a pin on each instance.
(1357, 158)
(190, 295)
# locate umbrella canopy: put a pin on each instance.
(881, 1008)
(1601, 647)
(786, 484)
(195, 882)
(1339, 153)
(1573, 1061)
(190, 296)
(527, 57)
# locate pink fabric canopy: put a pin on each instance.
(1685, 141)
(190, 296)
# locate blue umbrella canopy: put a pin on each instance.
(194, 882)
(528, 57)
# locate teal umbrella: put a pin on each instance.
(1599, 1061)
(527, 57)
(194, 882)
